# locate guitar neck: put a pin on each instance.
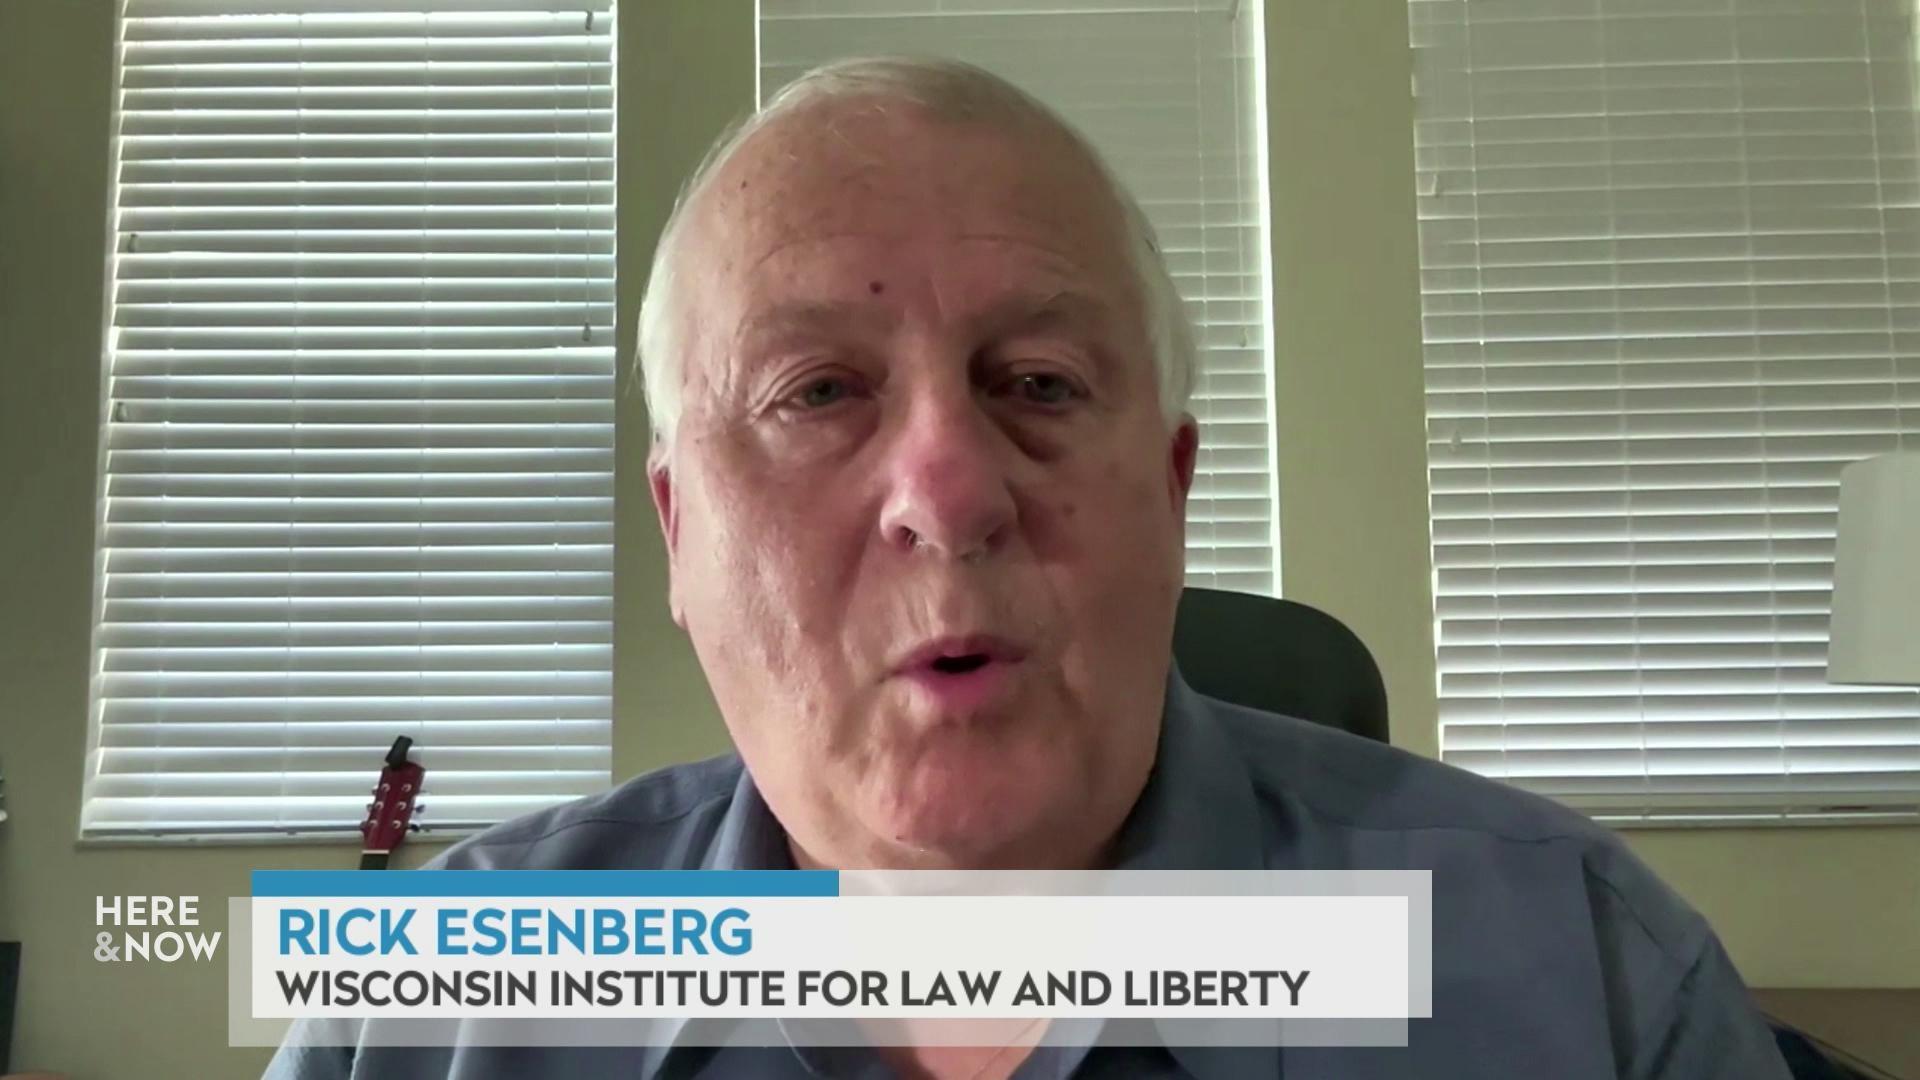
(395, 799)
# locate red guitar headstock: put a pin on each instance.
(396, 798)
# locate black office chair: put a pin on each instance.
(1280, 656)
(9, 996)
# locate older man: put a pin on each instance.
(918, 379)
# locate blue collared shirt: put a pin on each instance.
(1556, 952)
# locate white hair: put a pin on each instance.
(952, 91)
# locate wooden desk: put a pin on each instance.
(1869, 1029)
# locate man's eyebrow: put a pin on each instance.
(804, 317)
(1016, 311)
(1048, 308)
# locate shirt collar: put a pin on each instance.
(749, 837)
(1197, 812)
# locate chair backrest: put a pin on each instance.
(1280, 656)
(9, 998)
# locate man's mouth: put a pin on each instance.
(961, 674)
(961, 654)
(960, 665)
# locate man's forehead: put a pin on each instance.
(842, 169)
(861, 139)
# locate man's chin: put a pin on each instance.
(968, 822)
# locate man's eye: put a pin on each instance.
(1045, 388)
(824, 391)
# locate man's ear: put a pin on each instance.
(660, 482)
(1181, 460)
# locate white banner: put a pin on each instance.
(1238, 956)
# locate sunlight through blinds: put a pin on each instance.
(358, 431)
(1670, 265)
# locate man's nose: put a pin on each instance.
(949, 491)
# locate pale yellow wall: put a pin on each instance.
(1797, 907)
(681, 83)
(1350, 418)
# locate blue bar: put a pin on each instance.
(711, 884)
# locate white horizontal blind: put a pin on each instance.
(1170, 92)
(358, 449)
(1670, 265)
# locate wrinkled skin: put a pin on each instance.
(920, 417)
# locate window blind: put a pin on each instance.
(358, 434)
(1171, 92)
(1670, 264)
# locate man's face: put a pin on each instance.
(923, 508)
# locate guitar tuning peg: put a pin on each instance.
(419, 808)
(412, 827)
